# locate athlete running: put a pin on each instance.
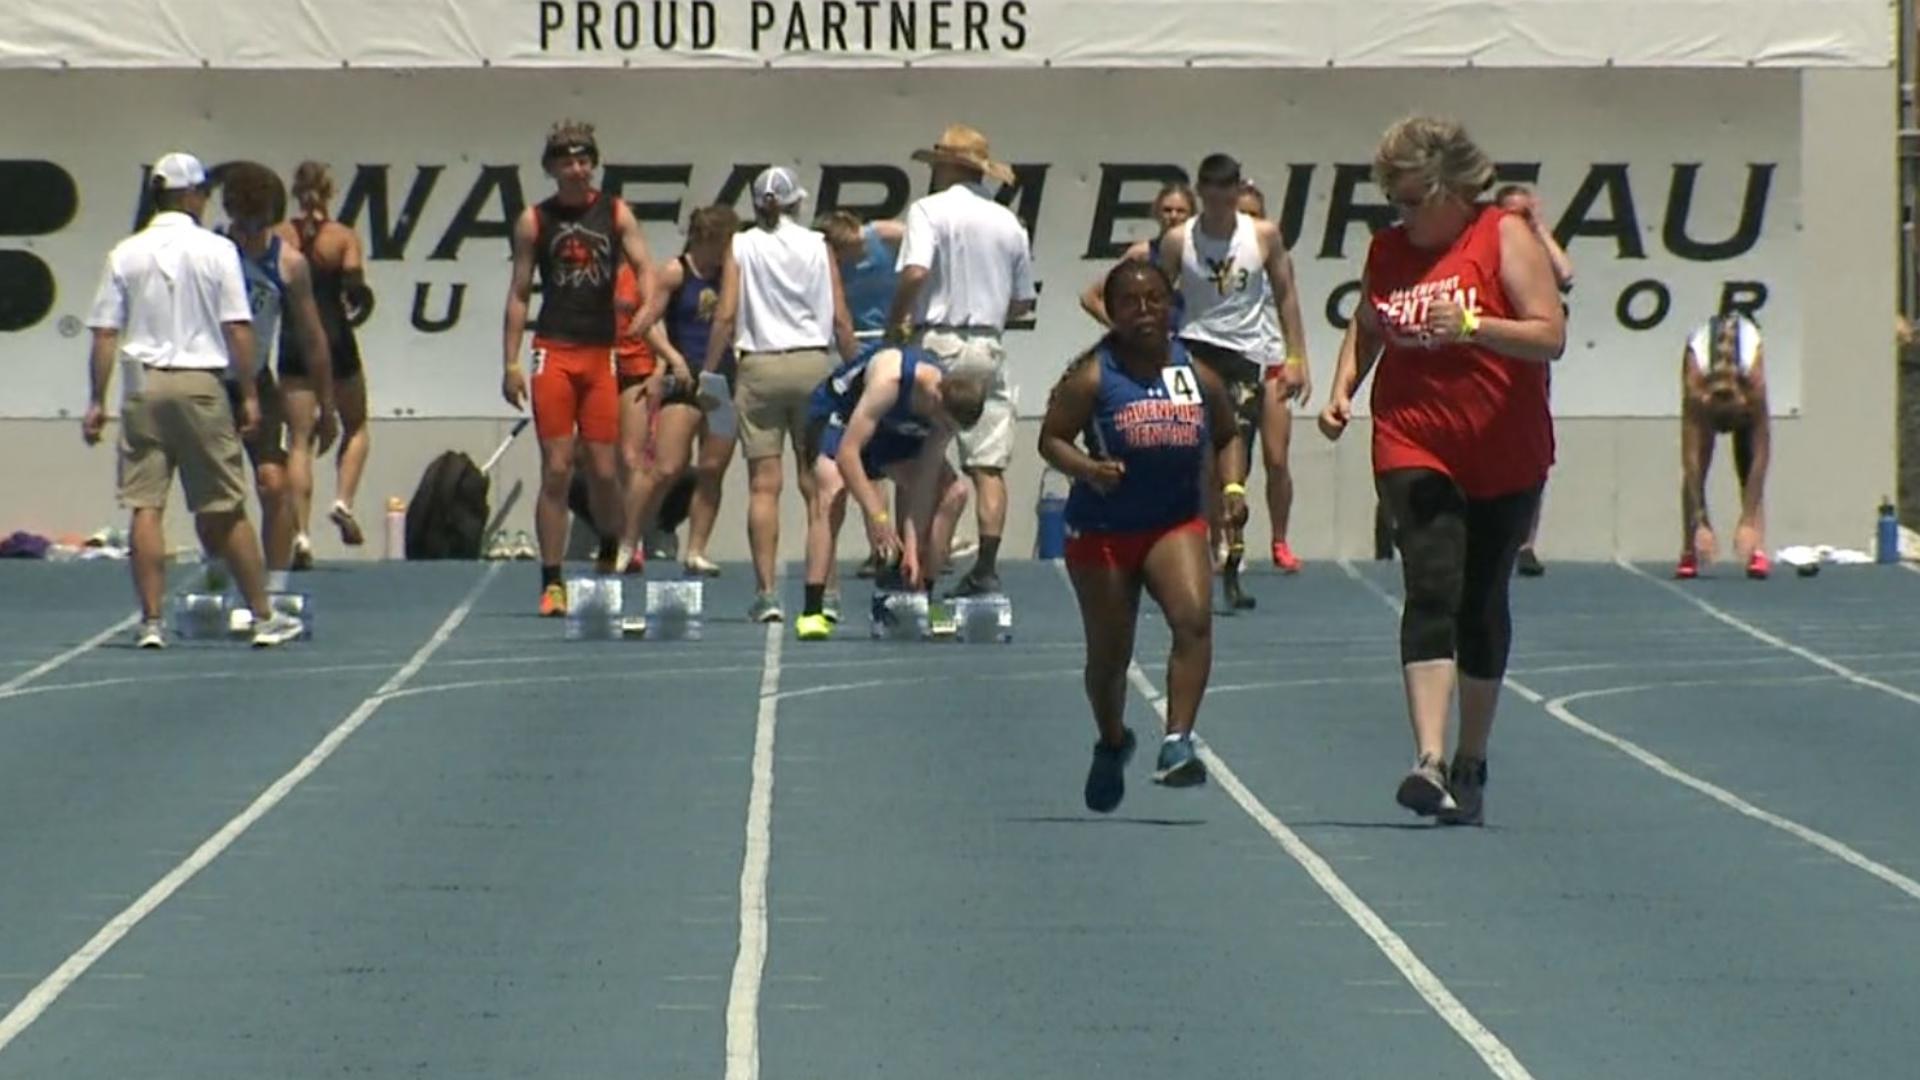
(1281, 385)
(1231, 267)
(1135, 519)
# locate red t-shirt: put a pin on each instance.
(635, 358)
(1463, 410)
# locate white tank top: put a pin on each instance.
(786, 289)
(1746, 347)
(1224, 284)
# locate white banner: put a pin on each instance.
(1676, 193)
(946, 33)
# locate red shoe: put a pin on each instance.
(1689, 567)
(1759, 566)
(636, 562)
(1284, 558)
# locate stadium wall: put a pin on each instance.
(1673, 189)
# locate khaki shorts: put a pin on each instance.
(181, 420)
(771, 396)
(989, 443)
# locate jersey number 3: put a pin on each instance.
(1182, 386)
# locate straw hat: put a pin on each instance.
(962, 145)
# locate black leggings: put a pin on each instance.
(1457, 558)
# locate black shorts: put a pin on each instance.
(1242, 378)
(342, 346)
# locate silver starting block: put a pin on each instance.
(675, 610)
(594, 607)
(900, 616)
(983, 619)
(299, 605)
(199, 616)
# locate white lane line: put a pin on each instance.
(1774, 640)
(750, 963)
(1557, 708)
(7, 688)
(1498, 1058)
(30, 1008)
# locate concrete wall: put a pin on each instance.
(1615, 490)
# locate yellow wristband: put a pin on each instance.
(1469, 322)
(1296, 361)
(881, 518)
(1235, 489)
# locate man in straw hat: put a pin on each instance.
(965, 269)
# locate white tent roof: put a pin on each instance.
(272, 34)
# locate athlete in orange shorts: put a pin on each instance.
(577, 239)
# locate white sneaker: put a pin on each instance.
(151, 636)
(240, 622)
(278, 629)
(524, 549)
(500, 548)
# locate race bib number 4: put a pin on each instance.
(1182, 385)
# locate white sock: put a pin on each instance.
(1173, 737)
(276, 581)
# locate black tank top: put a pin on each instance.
(575, 250)
(329, 293)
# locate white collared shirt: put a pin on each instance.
(169, 289)
(786, 289)
(976, 254)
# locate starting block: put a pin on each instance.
(594, 607)
(983, 619)
(900, 616)
(214, 616)
(200, 616)
(675, 610)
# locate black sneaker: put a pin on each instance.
(975, 584)
(1467, 781)
(1528, 564)
(1107, 776)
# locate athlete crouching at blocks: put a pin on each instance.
(887, 411)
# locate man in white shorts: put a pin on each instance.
(966, 267)
(172, 311)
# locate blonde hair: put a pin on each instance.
(1438, 152)
(312, 185)
(839, 227)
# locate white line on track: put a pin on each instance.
(49, 990)
(8, 688)
(1774, 640)
(1557, 708)
(1498, 1058)
(750, 963)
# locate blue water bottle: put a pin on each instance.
(1051, 541)
(1889, 535)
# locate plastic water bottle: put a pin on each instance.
(396, 528)
(1051, 541)
(199, 616)
(1888, 539)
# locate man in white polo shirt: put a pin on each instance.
(172, 310)
(966, 267)
(781, 308)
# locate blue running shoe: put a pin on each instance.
(1107, 776)
(1179, 764)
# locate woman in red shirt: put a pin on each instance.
(1460, 310)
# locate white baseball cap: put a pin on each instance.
(779, 184)
(179, 172)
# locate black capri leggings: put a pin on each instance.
(1457, 557)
